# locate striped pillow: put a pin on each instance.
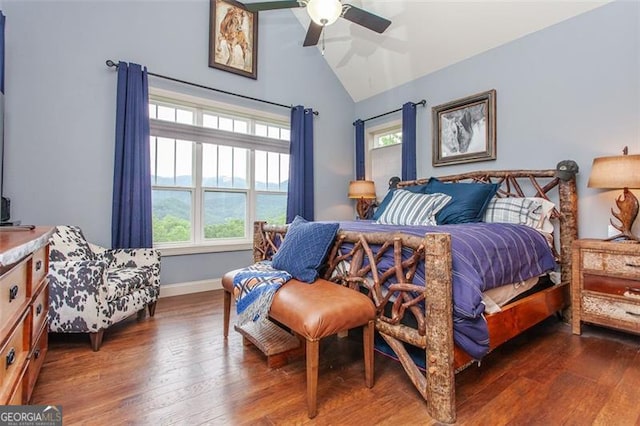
(408, 208)
(524, 211)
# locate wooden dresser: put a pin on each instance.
(24, 304)
(605, 287)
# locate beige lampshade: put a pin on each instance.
(620, 171)
(362, 189)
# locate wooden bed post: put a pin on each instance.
(258, 241)
(440, 389)
(568, 223)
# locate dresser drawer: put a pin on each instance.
(13, 295)
(38, 267)
(612, 285)
(39, 309)
(612, 262)
(611, 311)
(13, 355)
(16, 398)
(35, 364)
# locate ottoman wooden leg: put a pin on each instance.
(313, 353)
(367, 337)
(227, 312)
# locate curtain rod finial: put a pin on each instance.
(110, 63)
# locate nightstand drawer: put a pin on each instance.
(611, 262)
(612, 285)
(611, 312)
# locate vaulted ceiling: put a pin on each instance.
(426, 36)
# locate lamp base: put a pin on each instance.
(628, 205)
(364, 208)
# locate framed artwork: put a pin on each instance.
(464, 130)
(233, 38)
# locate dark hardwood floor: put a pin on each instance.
(176, 369)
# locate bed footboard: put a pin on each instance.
(346, 265)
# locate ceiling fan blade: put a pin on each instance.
(366, 19)
(313, 34)
(270, 5)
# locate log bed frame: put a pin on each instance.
(434, 331)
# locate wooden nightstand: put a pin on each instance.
(605, 285)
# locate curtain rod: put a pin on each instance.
(111, 63)
(422, 102)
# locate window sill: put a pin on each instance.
(199, 249)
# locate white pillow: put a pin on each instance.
(531, 211)
(523, 211)
(409, 208)
(545, 224)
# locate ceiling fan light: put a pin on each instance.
(324, 12)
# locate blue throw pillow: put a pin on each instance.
(387, 198)
(468, 200)
(304, 247)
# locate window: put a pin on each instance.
(385, 155)
(214, 171)
(387, 138)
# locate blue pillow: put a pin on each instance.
(468, 200)
(387, 198)
(304, 247)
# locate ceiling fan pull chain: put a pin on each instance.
(323, 42)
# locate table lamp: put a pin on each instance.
(365, 192)
(622, 171)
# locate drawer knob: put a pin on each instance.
(13, 292)
(39, 309)
(38, 265)
(11, 357)
(36, 354)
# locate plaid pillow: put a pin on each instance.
(408, 208)
(523, 211)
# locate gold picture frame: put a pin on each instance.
(233, 38)
(464, 130)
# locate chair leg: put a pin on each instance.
(96, 340)
(367, 338)
(313, 352)
(227, 312)
(152, 308)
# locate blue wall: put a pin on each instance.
(61, 105)
(571, 91)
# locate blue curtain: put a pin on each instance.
(300, 191)
(131, 212)
(2, 22)
(409, 141)
(360, 165)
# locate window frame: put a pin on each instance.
(199, 135)
(373, 132)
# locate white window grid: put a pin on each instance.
(179, 128)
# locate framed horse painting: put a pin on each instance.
(233, 38)
(464, 130)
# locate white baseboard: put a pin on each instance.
(178, 289)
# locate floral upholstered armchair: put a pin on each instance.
(91, 287)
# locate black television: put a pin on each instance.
(4, 205)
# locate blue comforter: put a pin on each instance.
(484, 256)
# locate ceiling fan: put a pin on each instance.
(323, 13)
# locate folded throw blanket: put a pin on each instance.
(254, 288)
